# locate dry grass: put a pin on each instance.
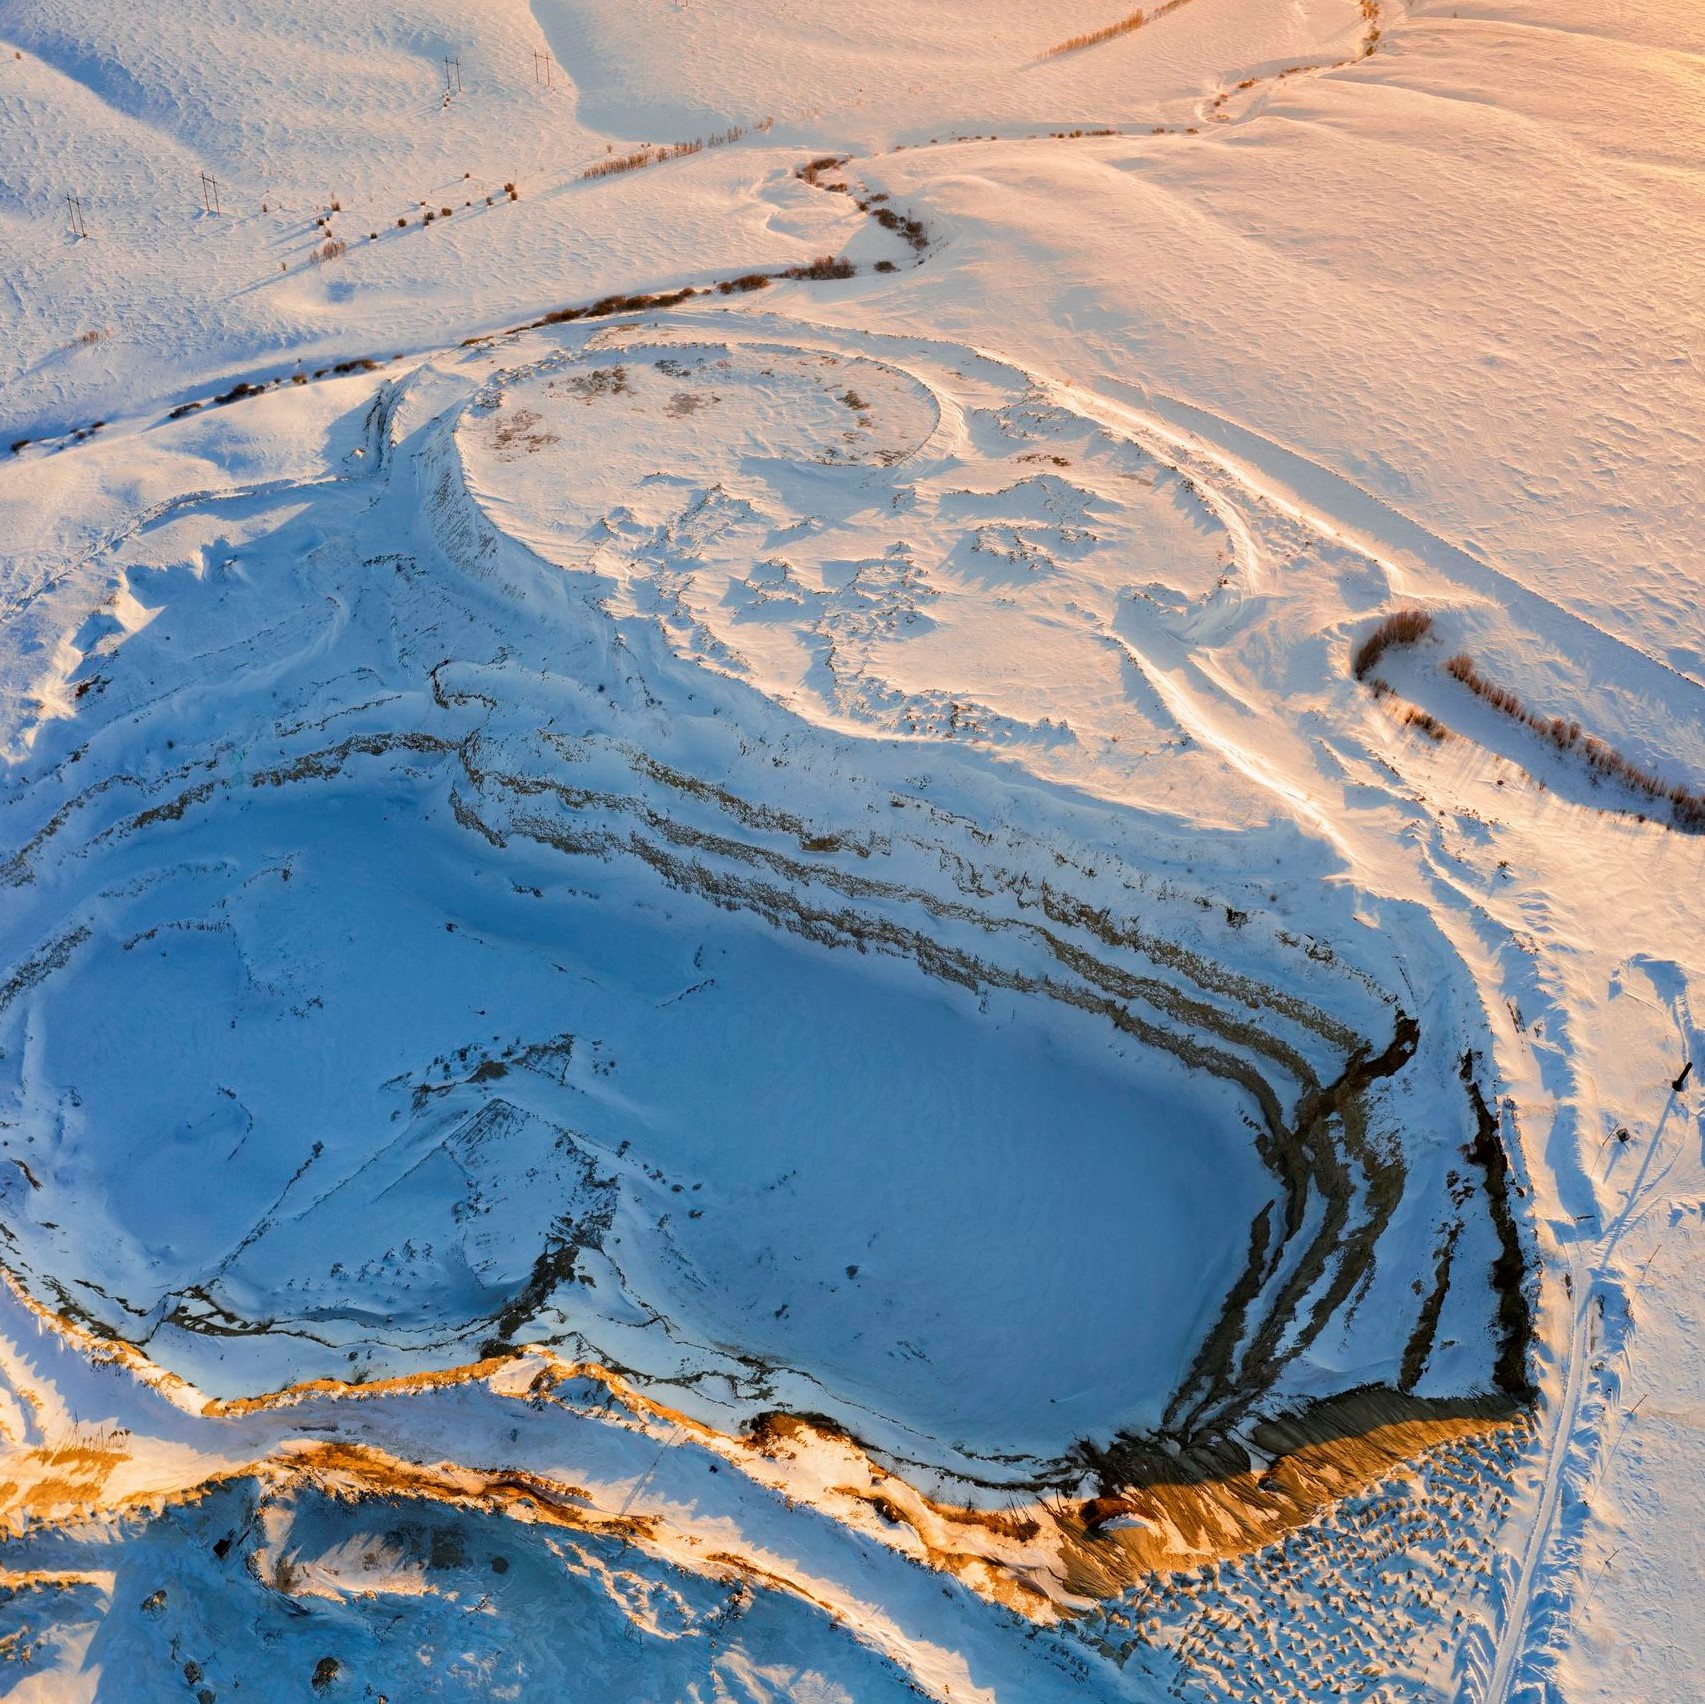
(1094, 38)
(1112, 32)
(640, 158)
(1687, 807)
(1401, 627)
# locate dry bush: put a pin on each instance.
(814, 169)
(1370, 16)
(911, 229)
(330, 249)
(824, 266)
(1401, 627)
(606, 305)
(746, 281)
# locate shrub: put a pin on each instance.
(330, 249)
(911, 229)
(824, 266)
(402, 224)
(886, 266)
(1401, 627)
(746, 281)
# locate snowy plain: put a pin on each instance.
(790, 879)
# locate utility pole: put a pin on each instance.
(542, 68)
(210, 194)
(452, 75)
(74, 206)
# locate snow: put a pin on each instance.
(733, 951)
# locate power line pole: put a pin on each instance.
(452, 75)
(542, 68)
(210, 194)
(74, 206)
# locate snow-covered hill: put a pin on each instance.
(725, 972)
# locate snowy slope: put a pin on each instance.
(794, 883)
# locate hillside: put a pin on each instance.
(850, 855)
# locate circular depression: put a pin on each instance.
(923, 543)
(319, 1095)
